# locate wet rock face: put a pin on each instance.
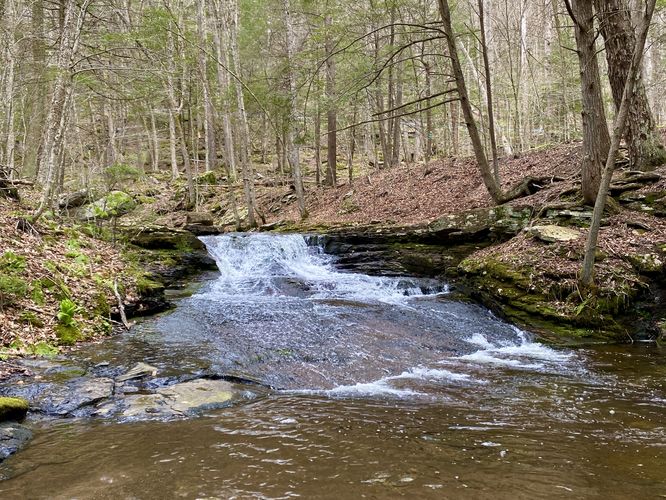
(64, 399)
(13, 437)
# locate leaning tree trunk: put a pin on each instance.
(596, 140)
(487, 175)
(642, 137)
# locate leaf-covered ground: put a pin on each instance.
(42, 268)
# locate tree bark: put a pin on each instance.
(596, 140)
(642, 137)
(331, 115)
(489, 179)
(293, 155)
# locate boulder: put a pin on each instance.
(12, 438)
(504, 220)
(114, 204)
(13, 408)
(140, 370)
(163, 238)
(200, 219)
(554, 234)
(74, 200)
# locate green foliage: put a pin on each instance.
(68, 335)
(12, 263)
(68, 310)
(12, 288)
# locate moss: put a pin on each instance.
(13, 408)
(43, 350)
(102, 307)
(68, 335)
(37, 293)
(147, 286)
(515, 293)
(12, 288)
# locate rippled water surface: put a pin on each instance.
(382, 388)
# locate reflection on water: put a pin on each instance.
(385, 391)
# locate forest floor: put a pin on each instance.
(57, 281)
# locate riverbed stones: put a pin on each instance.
(555, 234)
(13, 437)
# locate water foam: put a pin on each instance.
(251, 265)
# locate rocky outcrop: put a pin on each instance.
(552, 234)
(180, 400)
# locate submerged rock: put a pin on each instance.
(138, 371)
(64, 399)
(13, 437)
(182, 399)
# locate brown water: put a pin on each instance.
(377, 397)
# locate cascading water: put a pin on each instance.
(256, 265)
(349, 334)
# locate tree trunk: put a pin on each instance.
(619, 125)
(486, 172)
(243, 127)
(72, 23)
(596, 140)
(291, 146)
(209, 112)
(331, 115)
(645, 146)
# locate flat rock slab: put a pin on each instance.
(181, 400)
(63, 399)
(13, 437)
(555, 234)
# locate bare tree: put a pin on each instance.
(619, 126)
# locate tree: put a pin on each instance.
(619, 129)
(642, 137)
(596, 140)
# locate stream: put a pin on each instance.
(350, 386)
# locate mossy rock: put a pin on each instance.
(159, 238)
(512, 292)
(647, 263)
(13, 409)
(68, 335)
(114, 204)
